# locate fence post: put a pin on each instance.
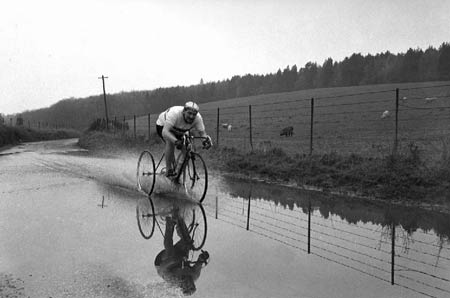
(123, 125)
(217, 129)
(396, 120)
(134, 125)
(248, 209)
(309, 226)
(115, 124)
(393, 253)
(217, 206)
(149, 127)
(312, 127)
(250, 125)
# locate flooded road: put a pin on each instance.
(68, 229)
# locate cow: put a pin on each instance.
(287, 131)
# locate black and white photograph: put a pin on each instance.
(224, 149)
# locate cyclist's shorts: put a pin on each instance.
(159, 129)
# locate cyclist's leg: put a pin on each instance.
(168, 235)
(169, 155)
(182, 230)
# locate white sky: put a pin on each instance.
(56, 49)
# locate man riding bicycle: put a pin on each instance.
(171, 263)
(173, 123)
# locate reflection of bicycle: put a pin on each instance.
(193, 216)
(190, 167)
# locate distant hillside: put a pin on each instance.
(415, 65)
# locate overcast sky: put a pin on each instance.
(56, 49)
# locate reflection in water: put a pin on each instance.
(176, 263)
(407, 247)
(349, 209)
(182, 223)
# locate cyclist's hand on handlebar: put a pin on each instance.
(204, 257)
(207, 143)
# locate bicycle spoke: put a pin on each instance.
(145, 215)
(197, 176)
(146, 173)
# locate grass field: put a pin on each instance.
(345, 120)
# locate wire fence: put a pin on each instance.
(384, 253)
(373, 123)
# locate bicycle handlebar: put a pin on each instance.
(187, 141)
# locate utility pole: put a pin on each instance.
(104, 98)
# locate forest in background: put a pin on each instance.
(416, 65)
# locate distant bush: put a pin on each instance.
(15, 135)
(100, 125)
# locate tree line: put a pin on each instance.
(416, 65)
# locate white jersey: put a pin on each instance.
(174, 116)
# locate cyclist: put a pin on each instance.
(171, 263)
(173, 123)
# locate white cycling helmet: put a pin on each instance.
(191, 105)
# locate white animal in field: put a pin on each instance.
(385, 114)
(429, 99)
(227, 126)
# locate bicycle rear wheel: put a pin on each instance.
(146, 173)
(195, 219)
(196, 180)
(145, 215)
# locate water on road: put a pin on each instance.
(68, 229)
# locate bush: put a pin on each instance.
(15, 135)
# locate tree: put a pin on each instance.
(409, 69)
(19, 120)
(352, 70)
(428, 65)
(326, 74)
(444, 62)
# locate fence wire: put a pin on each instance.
(360, 251)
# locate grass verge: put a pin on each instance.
(403, 178)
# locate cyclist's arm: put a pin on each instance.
(193, 271)
(203, 134)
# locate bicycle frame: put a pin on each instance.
(188, 147)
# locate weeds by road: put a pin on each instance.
(402, 178)
(12, 135)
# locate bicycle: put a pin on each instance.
(190, 167)
(193, 216)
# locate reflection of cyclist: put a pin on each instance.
(171, 263)
(171, 126)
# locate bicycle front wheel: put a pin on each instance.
(146, 173)
(196, 180)
(145, 215)
(195, 219)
